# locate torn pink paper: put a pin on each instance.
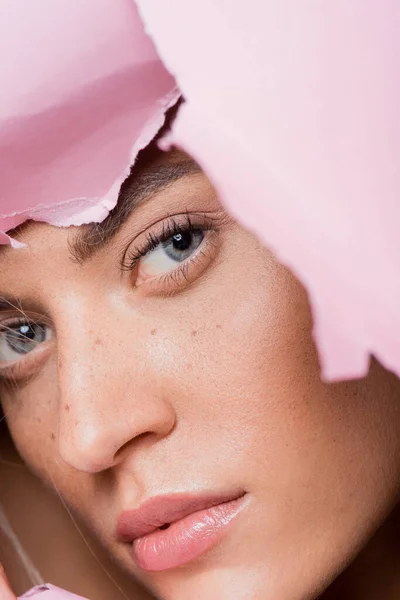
(82, 91)
(293, 110)
(50, 592)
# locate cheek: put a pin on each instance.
(244, 377)
(238, 355)
(256, 362)
(33, 424)
(32, 417)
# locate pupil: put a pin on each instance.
(182, 241)
(26, 332)
(182, 245)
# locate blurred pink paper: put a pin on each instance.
(82, 90)
(50, 592)
(293, 110)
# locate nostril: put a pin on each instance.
(165, 526)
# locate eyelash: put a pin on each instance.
(171, 227)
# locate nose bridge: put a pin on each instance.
(85, 348)
(104, 404)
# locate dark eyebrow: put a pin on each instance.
(6, 304)
(139, 186)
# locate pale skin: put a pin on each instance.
(152, 380)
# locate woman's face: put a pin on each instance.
(174, 358)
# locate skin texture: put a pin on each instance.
(198, 383)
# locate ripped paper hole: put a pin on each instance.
(292, 109)
(93, 94)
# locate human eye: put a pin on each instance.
(175, 252)
(20, 342)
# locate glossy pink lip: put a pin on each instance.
(169, 531)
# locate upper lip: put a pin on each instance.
(160, 510)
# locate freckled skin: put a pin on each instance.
(213, 388)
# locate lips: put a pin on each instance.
(168, 531)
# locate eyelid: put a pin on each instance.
(15, 316)
(164, 229)
(185, 274)
(27, 366)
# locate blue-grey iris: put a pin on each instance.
(25, 337)
(182, 245)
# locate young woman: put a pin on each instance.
(158, 370)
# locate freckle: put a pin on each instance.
(98, 342)
(153, 331)
(194, 333)
(66, 407)
(53, 437)
(219, 326)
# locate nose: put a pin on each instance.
(108, 401)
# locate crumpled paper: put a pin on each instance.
(82, 90)
(293, 110)
(50, 592)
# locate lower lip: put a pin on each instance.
(187, 539)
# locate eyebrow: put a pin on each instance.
(7, 302)
(140, 185)
(14, 303)
(136, 189)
